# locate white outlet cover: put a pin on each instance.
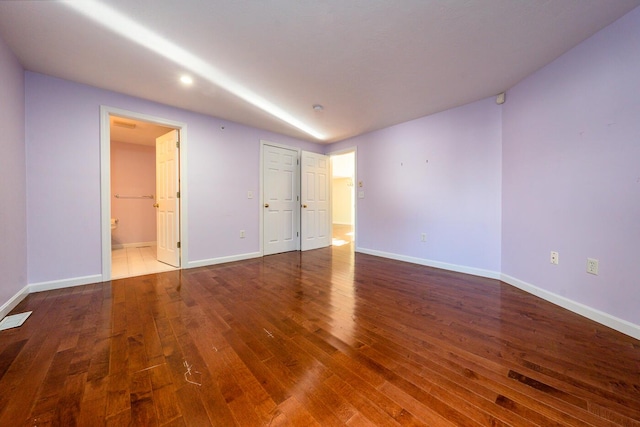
(592, 266)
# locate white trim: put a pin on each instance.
(431, 263)
(13, 301)
(598, 316)
(64, 283)
(222, 260)
(105, 181)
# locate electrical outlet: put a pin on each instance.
(242, 234)
(592, 266)
(555, 257)
(423, 237)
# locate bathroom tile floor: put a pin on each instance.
(136, 261)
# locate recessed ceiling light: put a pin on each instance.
(187, 80)
(318, 107)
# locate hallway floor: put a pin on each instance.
(136, 261)
(343, 234)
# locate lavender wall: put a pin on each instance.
(63, 198)
(439, 175)
(13, 213)
(494, 188)
(133, 173)
(571, 174)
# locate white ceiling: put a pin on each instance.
(370, 63)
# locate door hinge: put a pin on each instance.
(297, 161)
(297, 198)
(178, 194)
(178, 245)
(177, 144)
(297, 234)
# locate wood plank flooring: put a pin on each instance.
(321, 338)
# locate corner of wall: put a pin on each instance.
(13, 301)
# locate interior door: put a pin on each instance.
(280, 198)
(315, 216)
(168, 198)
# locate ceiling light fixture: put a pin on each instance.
(318, 107)
(127, 27)
(186, 80)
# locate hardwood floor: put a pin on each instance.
(323, 338)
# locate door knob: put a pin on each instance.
(156, 205)
(304, 206)
(266, 205)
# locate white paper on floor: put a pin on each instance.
(14, 321)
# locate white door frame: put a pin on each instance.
(353, 150)
(105, 180)
(261, 229)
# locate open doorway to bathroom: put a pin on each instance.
(133, 197)
(135, 210)
(343, 174)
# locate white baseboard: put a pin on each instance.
(222, 260)
(601, 317)
(431, 263)
(598, 316)
(64, 283)
(132, 245)
(13, 301)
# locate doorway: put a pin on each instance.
(295, 193)
(140, 182)
(343, 189)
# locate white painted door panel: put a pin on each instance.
(281, 205)
(314, 214)
(167, 201)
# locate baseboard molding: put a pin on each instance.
(598, 316)
(431, 263)
(222, 260)
(13, 301)
(132, 245)
(65, 283)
